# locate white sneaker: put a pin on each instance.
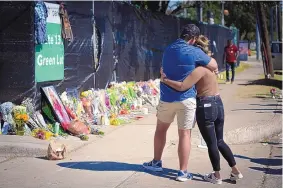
(184, 176)
(235, 177)
(212, 179)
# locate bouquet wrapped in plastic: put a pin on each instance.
(86, 98)
(77, 128)
(42, 134)
(6, 110)
(21, 118)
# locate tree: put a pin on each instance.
(180, 6)
(241, 17)
(154, 6)
(242, 14)
(162, 6)
(213, 6)
(265, 35)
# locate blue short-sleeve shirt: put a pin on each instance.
(179, 60)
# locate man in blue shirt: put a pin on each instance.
(179, 60)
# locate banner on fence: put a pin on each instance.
(49, 57)
(243, 50)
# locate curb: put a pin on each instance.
(17, 151)
(255, 133)
(243, 135)
(12, 150)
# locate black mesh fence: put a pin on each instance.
(130, 41)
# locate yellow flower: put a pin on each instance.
(84, 94)
(18, 116)
(114, 122)
(48, 135)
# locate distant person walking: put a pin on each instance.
(230, 57)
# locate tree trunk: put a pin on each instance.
(265, 36)
(249, 44)
(279, 27)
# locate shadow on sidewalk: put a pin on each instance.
(262, 161)
(273, 112)
(269, 171)
(260, 110)
(265, 162)
(275, 105)
(274, 108)
(254, 109)
(265, 82)
(271, 143)
(119, 166)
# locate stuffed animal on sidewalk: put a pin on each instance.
(56, 151)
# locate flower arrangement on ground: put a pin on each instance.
(21, 118)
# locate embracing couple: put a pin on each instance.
(189, 89)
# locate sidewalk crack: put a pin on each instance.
(117, 186)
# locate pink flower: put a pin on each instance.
(273, 91)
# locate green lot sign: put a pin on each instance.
(49, 57)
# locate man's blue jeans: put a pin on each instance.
(232, 65)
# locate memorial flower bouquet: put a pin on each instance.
(30, 108)
(6, 110)
(21, 118)
(42, 134)
(86, 102)
(273, 92)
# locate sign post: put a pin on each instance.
(49, 57)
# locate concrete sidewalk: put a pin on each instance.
(114, 161)
(28, 146)
(247, 120)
